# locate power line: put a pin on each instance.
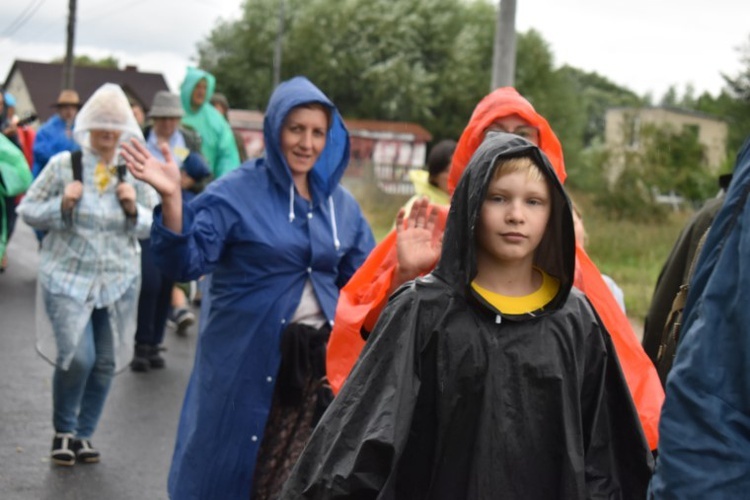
(23, 17)
(119, 8)
(20, 16)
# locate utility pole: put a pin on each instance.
(68, 76)
(504, 53)
(277, 47)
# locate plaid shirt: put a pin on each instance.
(93, 256)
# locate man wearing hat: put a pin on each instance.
(158, 292)
(56, 135)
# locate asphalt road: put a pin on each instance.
(136, 432)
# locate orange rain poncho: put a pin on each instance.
(366, 293)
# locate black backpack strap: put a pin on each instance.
(121, 172)
(76, 159)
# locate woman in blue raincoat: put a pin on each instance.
(278, 238)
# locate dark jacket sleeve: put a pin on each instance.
(674, 274)
(617, 457)
(354, 451)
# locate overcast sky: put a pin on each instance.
(645, 45)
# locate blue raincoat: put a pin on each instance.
(50, 140)
(704, 451)
(261, 242)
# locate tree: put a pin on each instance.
(426, 61)
(83, 60)
(667, 160)
(598, 94)
(551, 92)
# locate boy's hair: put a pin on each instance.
(518, 164)
(533, 173)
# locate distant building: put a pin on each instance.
(36, 85)
(623, 126)
(389, 149)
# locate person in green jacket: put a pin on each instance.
(219, 147)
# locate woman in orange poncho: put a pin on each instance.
(366, 293)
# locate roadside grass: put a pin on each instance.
(632, 253)
(379, 208)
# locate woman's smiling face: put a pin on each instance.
(303, 137)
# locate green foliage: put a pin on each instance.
(666, 160)
(426, 61)
(551, 91)
(429, 61)
(629, 197)
(675, 160)
(596, 95)
(110, 62)
(588, 173)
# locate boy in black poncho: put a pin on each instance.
(491, 377)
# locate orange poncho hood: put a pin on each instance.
(498, 104)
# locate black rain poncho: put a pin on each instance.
(451, 399)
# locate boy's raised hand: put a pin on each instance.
(164, 177)
(418, 241)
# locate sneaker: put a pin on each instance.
(183, 319)
(141, 361)
(154, 357)
(62, 449)
(85, 453)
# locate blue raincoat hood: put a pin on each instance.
(334, 158)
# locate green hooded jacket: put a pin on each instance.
(219, 147)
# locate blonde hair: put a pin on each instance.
(518, 164)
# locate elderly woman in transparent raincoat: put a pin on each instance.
(89, 275)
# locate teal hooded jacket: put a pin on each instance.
(218, 147)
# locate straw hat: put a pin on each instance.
(166, 105)
(68, 97)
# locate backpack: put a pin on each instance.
(76, 159)
(670, 336)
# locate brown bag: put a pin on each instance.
(670, 336)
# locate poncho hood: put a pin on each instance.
(107, 109)
(505, 101)
(333, 160)
(193, 76)
(556, 252)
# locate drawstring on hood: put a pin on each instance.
(336, 242)
(291, 202)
